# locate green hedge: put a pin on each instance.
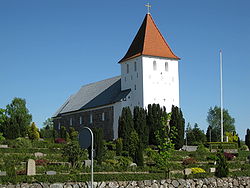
(81, 178)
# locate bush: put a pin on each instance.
(244, 148)
(119, 146)
(229, 156)
(188, 161)
(22, 143)
(197, 170)
(222, 167)
(60, 141)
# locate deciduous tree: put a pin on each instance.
(214, 121)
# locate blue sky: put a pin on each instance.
(49, 49)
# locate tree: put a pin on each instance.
(64, 134)
(73, 153)
(18, 119)
(195, 136)
(214, 121)
(247, 138)
(140, 125)
(33, 132)
(73, 134)
(177, 123)
(119, 146)
(154, 115)
(47, 130)
(125, 127)
(133, 142)
(222, 166)
(98, 144)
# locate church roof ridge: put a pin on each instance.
(149, 41)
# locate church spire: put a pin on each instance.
(149, 41)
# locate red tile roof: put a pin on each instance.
(149, 41)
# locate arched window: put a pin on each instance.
(80, 120)
(166, 66)
(135, 66)
(71, 121)
(154, 66)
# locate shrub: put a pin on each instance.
(229, 156)
(60, 141)
(197, 170)
(188, 161)
(41, 162)
(119, 146)
(22, 143)
(244, 148)
(222, 167)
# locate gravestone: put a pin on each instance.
(3, 173)
(3, 146)
(87, 163)
(187, 171)
(39, 154)
(31, 167)
(212, 170)
(51, 172)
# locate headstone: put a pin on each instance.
(189, 148)
(51, 172)
(133, 166)
(87, 163)
(39, 154)
(3, 173)
(31, 167)
(187, 171)
(212, 170)
(3, 146)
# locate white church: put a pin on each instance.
(149, 74)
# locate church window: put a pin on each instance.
(137, 74)
(166, 66)
(90, 118)
(154, 66)
(131, 77)
(135, 66)
(80, 119)
(70, 121)
(135, 87)
(59, 125)
(125, 79)
(127, 68)
(103, 116)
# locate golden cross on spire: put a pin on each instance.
(149, 6)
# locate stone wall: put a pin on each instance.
(242, 182)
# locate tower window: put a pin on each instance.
(154, 66)
(90, 118)
(125, 79)
(166, 66)
(70, 121)
(80, 120)
(103, 116)
(135, 66)
(127, 68)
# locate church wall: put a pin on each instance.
(97, 121)
(160, 82)
(132, 79)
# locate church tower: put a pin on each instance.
(150, 69)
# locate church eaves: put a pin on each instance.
(149, 41)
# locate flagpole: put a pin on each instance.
(221, 96)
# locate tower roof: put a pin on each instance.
(149, 41)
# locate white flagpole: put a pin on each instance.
(221, 96)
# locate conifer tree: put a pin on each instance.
(140, 125)
(247, 138)
(33, 132)
(98, 144)
(177, 123)
(126, 126)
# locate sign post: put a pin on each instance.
(85, 136)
